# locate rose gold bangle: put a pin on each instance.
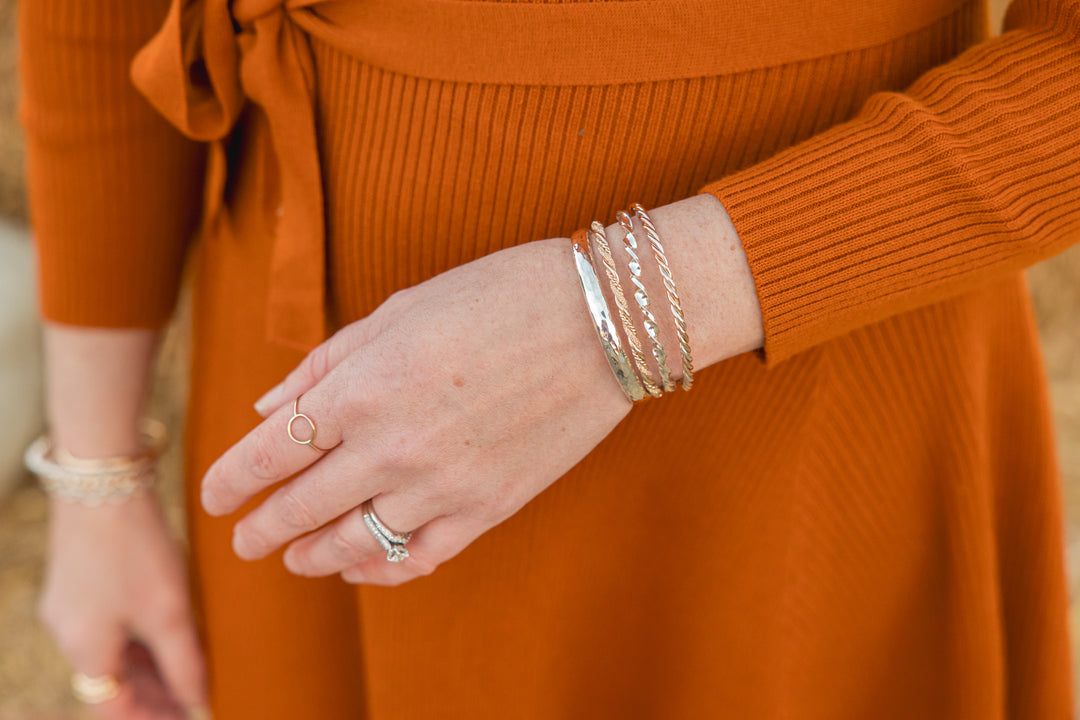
(672, 294)
(599, 237)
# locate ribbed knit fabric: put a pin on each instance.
(866, 524)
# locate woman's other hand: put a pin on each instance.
(452, 405)
(116, 600)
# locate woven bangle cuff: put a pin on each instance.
(672, 294)
(94, 481)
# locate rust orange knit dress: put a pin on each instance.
(862, 520)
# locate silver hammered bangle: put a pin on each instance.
(601, 317)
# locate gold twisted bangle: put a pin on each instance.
(672, 294)
(92, 481)
(641, 296)
(599, 237)
(601, 317)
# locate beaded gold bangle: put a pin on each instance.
(641, 296)
(599, 238)
(672, 294)
(92, 481)
(601, 316)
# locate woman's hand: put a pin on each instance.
(116, 600)
(452, 405)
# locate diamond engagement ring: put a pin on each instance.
(392, 542)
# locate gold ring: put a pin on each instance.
(297, 415)
(94, 690)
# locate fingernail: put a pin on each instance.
(239, 546)
(206, 497)
(270, 400)
(289, 558)
(199, 713)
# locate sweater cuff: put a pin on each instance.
(803, 217)
(966, 177)
(114, 190)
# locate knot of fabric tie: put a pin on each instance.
(208, 58)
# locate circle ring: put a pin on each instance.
(297, 415)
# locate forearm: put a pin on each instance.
(96, 380)
(712, 276)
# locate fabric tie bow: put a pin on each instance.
(207, 59)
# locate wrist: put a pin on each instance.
(707, 260)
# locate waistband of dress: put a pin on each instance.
(586, 43)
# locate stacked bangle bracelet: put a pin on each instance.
(637, 379)
(94, 481)
(673, 295)
(601, 316)
(599, 238)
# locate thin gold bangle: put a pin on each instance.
(672, 294)
(601, 316)
(599, 237)
(641, 296)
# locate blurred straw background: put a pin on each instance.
(33, 677)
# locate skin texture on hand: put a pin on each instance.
(454, 404)
(460, 399)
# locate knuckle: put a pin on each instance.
(400, 451)
(343, 541)
(295, 513)
(263, 462)
(446, 485)
(492, 504)
(315, 365)
(359, 388)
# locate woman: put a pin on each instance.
(861, 518)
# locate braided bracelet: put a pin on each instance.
(599, 238)
(641, 295)
(645, 375)
(672, 294)
(97, 480)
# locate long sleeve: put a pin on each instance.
(113, 188)
(972, 173)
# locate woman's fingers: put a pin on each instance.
(430, 546)
(96, 650)
(313, 368)
(268, 454)
(174, 646)
(348, 540)
(146, 693)
(338, 482)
